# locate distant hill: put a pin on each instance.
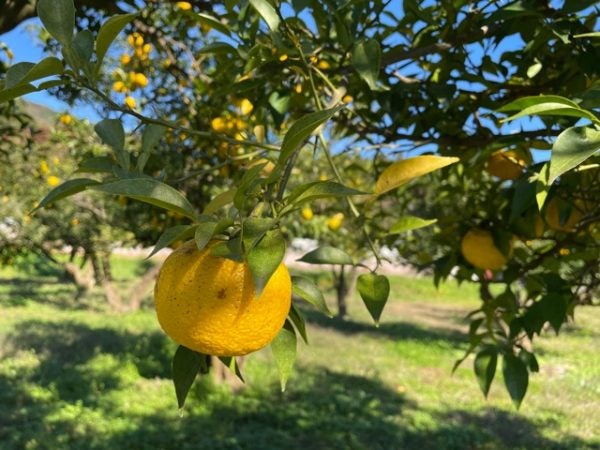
(43, 117)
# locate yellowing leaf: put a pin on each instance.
(407, 169)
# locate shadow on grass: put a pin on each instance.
(66, 348)
(66, 401)
(20, 291)
(397, 330)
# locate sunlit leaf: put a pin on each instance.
(173, 234)
(108, 33)
(307, 290)
(58, 17)
(150, 191)
(374, 290)
(572, 147)
(327, 255)
(284, 352)
(405, 170)
(66, 189)
(267, 12)
(408, 223)
(366, 59)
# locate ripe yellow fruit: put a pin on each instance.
(65, 119)
(553, 215)
(323, 65)
(283, 57)
(477, 247)
(125, 59)
(218, 124)
(147, 48)
(307, 213)
(334, 223)
(130, 101)
(209, 305)
(246, 106)
(184, 6)
(119, 86)
(347, 99)
(139, 41)
(507, 164)
(53, 180)
(140, 80)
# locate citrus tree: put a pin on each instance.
(227, 99)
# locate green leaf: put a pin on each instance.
(534, 69)
(366, 59)
(231, 249)
(253, 229)
(516, 378)
(17, 91)
(83, 44)
(58, 17)
(307, 290)
(300, 131)
(150, 191)
(284, 352)
(405, 170)
(171, 235)
(267, 12)
(66, 189)
(527, 102)
(327, 255)
(108, 33)
(485, 368)
(572, 147)
(211, 22)
(553, 109)
(217, 48)
(264, 258)
(320, 189)
(221, 200)
(150, 137)
(112, 134)
(204, 233)
(408, 223)
(186, 366)
(374, 290)
(231, 363)
(25, 72)
(97, 164)
(298, 320)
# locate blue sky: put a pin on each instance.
(22, 42)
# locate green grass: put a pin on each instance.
(73, 375)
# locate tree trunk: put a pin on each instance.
(138, 290)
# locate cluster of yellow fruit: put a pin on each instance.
(44, 171)
(129, 81)
(334, 222)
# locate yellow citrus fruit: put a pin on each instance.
(44, 169)
(334, 223)
(283, 57)
(119, 86)
(218, 124)
(53, 180)
(553, 215)
(208, 303)
(307, 213)
(507, 164)
(130, 101)
(125, 59)
(347, 99)
(184, 6)
(246, 106)
(65, 119)
(139, 79)
(477, 246)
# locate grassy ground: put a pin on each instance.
(76, 376)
